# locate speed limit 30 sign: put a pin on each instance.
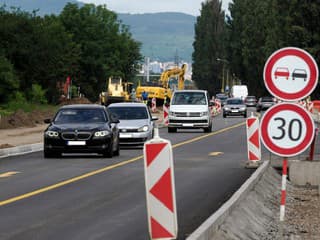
(287, 129)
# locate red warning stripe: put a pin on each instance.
(158, 231)
(162, 190)
(254, 139)
(252, 156)
(153, 150)
(250, 121)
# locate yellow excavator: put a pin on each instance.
(118, 91)
(163, 91)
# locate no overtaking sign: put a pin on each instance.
(290, 74)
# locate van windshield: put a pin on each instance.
(189, 98)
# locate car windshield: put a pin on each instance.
(80, 116)
(222, 98)
(234, 101)
(267, 99)
(129, 113)
(193, 98)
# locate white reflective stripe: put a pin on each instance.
(162, 214)
(253, 128)
(158, 167)
(284, 182)
(253, 148)
(282, 212)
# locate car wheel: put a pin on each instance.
(109, 151)
(172, 129)
(224, 115)
(245, 115)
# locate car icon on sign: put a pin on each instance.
(282, 72)
(299, 73)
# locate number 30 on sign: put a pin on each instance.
(287, 129)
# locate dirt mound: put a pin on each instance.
(31, 119)
(24, 119)
(81, 100)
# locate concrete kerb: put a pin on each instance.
(19, 150)
(211, 225)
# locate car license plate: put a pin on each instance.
(76, 143)
(187, 125)
(125, 135)
(234, 111)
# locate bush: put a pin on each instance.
(38, 95)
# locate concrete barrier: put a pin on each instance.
(212, 226)
(19, 150)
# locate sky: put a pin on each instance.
(150, 6)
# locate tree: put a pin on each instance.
(208, 47)
(8, 80)
(106, 46)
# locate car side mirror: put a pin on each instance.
(47, 120)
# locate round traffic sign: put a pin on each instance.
(290, 74)
(287, 129)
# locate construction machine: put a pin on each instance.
(162, 90)
(118, 91)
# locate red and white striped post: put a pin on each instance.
(312, 146)
(253, 142)
(165, 114)
(160, 188)
(154, 105)
(283, 189)
(217, 106)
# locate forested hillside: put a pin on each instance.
(37, 54)
(162, 35)
(254, 31)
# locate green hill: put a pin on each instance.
(163, 35)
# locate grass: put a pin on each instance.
(10, 108)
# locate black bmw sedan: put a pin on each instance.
(82, 128)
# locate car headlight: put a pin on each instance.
(242, 109)
(101, 133)
(52, 134)
(226, 109)
(143, 129)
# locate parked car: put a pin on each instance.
(136, 122)
(264, 103)
(234, 106)
(250, 101)
(81, 128)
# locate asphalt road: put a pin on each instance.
(89, 197)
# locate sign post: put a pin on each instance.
(290, 74)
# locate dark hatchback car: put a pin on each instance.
(250, 101)
(82, 128)
(264, 103)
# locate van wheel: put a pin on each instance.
(208, 129)
(172, 129)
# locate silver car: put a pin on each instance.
(234, 106)
(136, 122)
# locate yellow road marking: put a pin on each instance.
(71, 180)
(215, 153)
(8, 174)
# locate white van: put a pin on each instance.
(239, 91)
(190, 109)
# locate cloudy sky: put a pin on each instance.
(149, 6)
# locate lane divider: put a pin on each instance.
(75, 179)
